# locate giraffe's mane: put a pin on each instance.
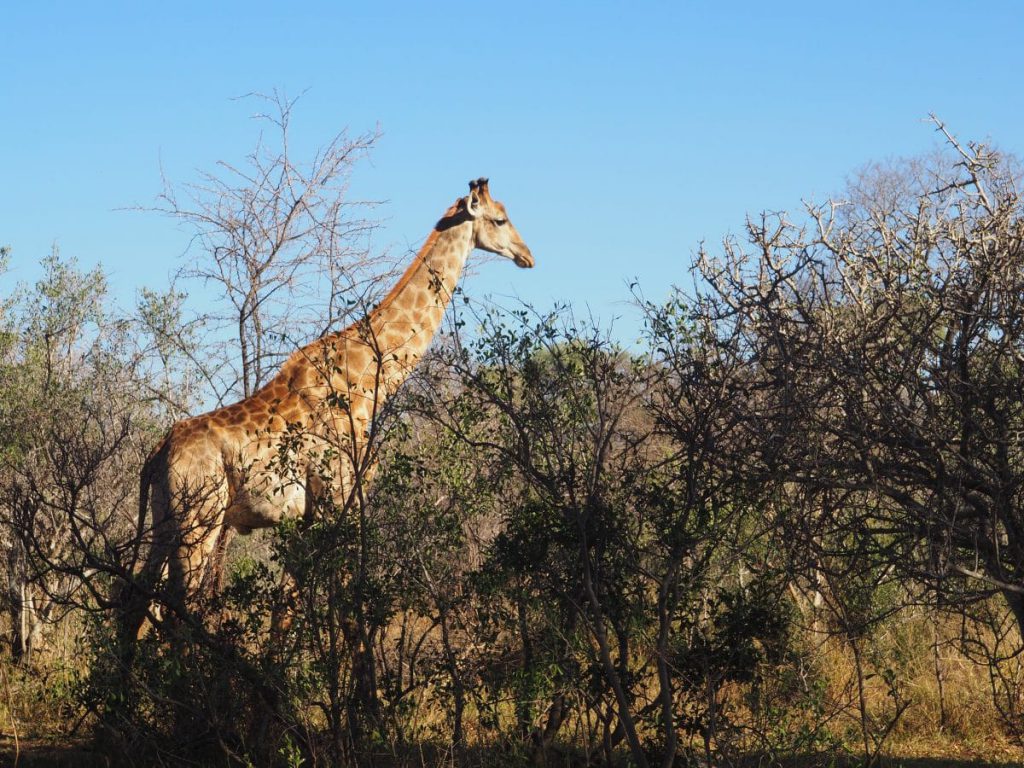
(421, 255)
(307, 350)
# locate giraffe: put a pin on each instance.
(253, 463)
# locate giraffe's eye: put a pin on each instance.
(501, 222)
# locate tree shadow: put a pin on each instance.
(36, 753)
(81, 754)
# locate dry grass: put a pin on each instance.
(949, 720)
(950, 713)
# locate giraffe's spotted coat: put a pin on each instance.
(250, 464)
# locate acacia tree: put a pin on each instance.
(622, 588)
(719, 605)
(887, 334)
(555, 405)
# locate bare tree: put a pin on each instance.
(886, 332)
(274, 236)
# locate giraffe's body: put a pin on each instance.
(251, 464)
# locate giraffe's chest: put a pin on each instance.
(273, 475)
(264, 489)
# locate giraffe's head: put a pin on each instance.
(492, 230)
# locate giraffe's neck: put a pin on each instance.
(367, 361)
(370, 358)
(403, 325)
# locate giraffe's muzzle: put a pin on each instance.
(522, 257)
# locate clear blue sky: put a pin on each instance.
(619, 135)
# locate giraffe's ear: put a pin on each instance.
(471, 203)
